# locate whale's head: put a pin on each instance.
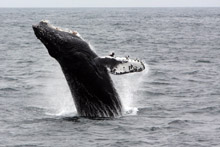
(61, 43)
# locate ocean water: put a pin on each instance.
(175, 102)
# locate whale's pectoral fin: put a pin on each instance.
(118, 66)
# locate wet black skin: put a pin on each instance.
(90, 84)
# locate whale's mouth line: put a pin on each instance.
(59, 28)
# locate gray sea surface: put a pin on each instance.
(175, 102)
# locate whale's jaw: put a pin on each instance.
(59, 41)
(90, 84)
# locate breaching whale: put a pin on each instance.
(86, 73)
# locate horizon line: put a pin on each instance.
(124, 7)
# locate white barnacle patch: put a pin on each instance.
(45, 21)
(62, 29)
(125, 65)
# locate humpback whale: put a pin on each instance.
(86, 73)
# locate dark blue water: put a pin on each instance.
(175, 102)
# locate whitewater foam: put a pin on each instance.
(58, 96)
(127, 86)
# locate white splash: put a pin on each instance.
(127, 86)
(58, 96)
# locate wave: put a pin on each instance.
(203, 61)
(8, 89)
